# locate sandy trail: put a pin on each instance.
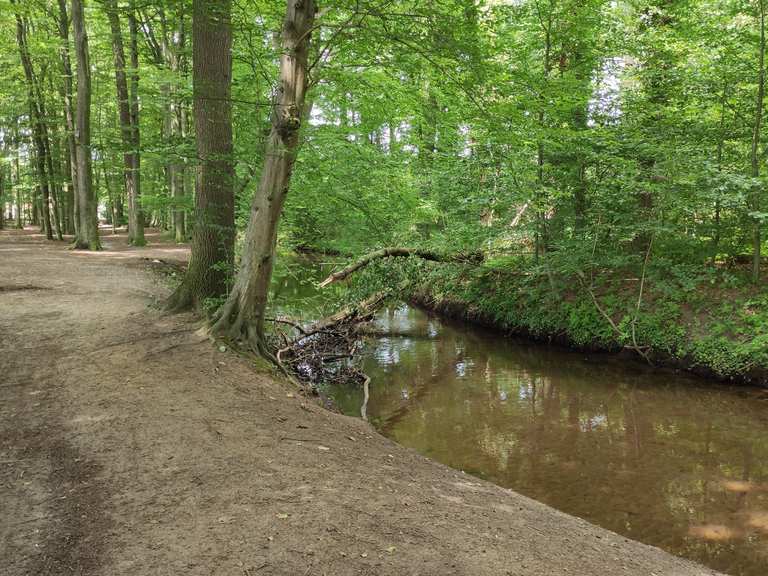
(129, 445)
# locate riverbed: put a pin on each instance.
(661, 457)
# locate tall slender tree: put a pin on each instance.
(129, 130)
(69, 115)
(243, 314)
(755, 148)
(87, 236)
(34, 97)
(213, 238)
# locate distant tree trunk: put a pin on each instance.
(242, 316)
(53, 179)
(17, 171)
(87, 237)
(212, 257)
(755, 196)
(69, 117)
(174, 58)
(540, 240)
(137, 237)
(128, 131)
(34, 95)
(2, 198)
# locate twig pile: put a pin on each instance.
(325, 352)
(323, 356)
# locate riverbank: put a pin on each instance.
(131, 445)
(711, 324)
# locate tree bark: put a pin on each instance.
(87, 236)
(473, 258)
(34, 95)
(755, 196)
(128, 129)
(174, 59)
(212, 257)
(242, 316)
(2, 197)
(134, 201)
(17, 173)
(69, 116)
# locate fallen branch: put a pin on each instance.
(324, 352)
(474, 258)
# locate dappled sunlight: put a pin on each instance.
(758, 520)
(714, 532)
(741, 486)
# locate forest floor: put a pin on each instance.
(131, 445)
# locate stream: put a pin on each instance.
(665, 458)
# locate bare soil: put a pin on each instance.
(131, 445)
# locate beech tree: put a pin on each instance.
(129, 120)
(243, 314)
(213, 237)
(87, 236)
(39, 130)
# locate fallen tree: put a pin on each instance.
(471, 258)
(324, 351)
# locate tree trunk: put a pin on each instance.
(87, 237)
(2, 198)
(174, 58)
(128, 131)
(136, 237)
(69, 117)
(34, 94)
(242, 316)
(210, 266)
(755, 196)
(17, 172)
(472, 258)
(53, 183)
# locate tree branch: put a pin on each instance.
(474, 257)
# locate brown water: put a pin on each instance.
(667, 459)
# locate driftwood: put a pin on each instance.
(324, 352)
(473, 258)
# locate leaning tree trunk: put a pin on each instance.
(242, 316)
(213, 239)
(88, 231)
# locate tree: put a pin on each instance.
(129, 120)
(37, 116)
(87, 237)
(212, 257)
(69, 116)
(243, 314)
(754, 152)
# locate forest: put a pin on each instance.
(605, 159)
(523, 238)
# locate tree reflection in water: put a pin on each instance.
(663, 458)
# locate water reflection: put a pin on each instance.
(657, 457)
(664, 459)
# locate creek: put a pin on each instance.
(665, 458)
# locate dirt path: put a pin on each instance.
(131, 446)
